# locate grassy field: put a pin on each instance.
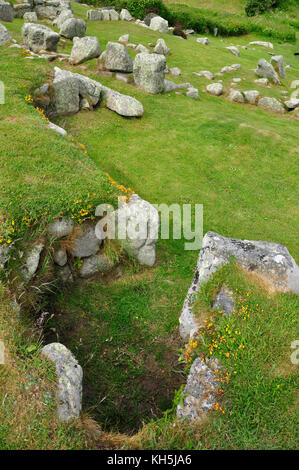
(239, 161)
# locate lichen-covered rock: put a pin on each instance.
(95, 264)
(117, 58)
(60, 257)
(94, 15)
(4, 35)
(224, 301)
(123, 105)
(231, 68)
(266, 70)
(6, 12)
(136, 228)
(251, 96)
(141, 48)
(204, 41)
(66, 93)
(161, 47)
(84, 49)
(271, 263)
(30, 17)
(293, 103)
(113, 15)
(215, 89)
(200, 392)
(73, 27)
(39, 37)
(105, 15)
(29, 269)
(61, 227)
(234, 50)
(20, 9)
(124, 38)
(4, 255)
(70, 374)
(278, 64)
(192, 93)
(159, 24)
(169, 86)
(262, 43)
(149, 72)
(86, 243)
(236, 96)
(64, 15)
(125, 15)
(271, 104)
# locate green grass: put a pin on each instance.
(239, 161)
(27, 391)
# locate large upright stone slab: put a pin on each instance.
(149, 72)
(4, 35)
(117, 58)
(70, 374)
(270, 262)
(84, 49)
(6, 12)
(38, 37)
(159, 24)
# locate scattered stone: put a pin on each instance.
(132, 45)
(84, 49)
(4, 255)
(86, 243)
(251, 96)
(94, 15)
(37, 37)
(124, 38)
(57, 129)
(122, 104)
(204, 41)
(30, 17)
(175, 71)
(231, 68)
(278, 65)
(61, 227)
(292, 103)
(159, 24)
(185, 85)
(236, 96)
(169, 86)
(149, 71)
(113, 15)
(262, 81)
(190, 32)
(266, 70)
(237, 80)
(69, 373)
(95, 264)
(73, 27)
(141, 48)
(4, 35)
(142, 222)
(205, 74)
(148, 18)
(60, 257)
(65, 275)
(270, 262)
(192, 93)
(124, 77)
(199, 392)
(234, 50)
(161, 47)
(125, 15)
(271, 104)
(262, 43)
(215, 89)
(224, 301)
(105, 15)
(6, 12)
(20, 9)
(117, 58)
(29, 269)
(62, 17)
